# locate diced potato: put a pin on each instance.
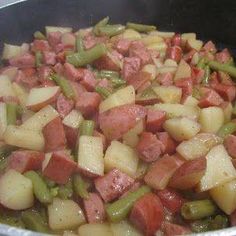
(166, 69)
(190, 101)
(69, 233)
(162, 34)
(10, 72)
(219, 169)
(181, 128)
(168, 94)
(151, 69)
(95, 230)
(225, 196)
(183, 70)
(124, 228)
(6, 87)
(170, 62)
(150, 39)
(131, 34)
(198, 146)
(21, 93)
(141, 169)
(122, 157)
(160, 46)
(131, 138)
(195, 44)
(24, 138)
(188, 36)
(121, 97)
(228, 110)
(10, 51)
(177, 110)
(195, 58)
(26, 115)
(73, 119)
(211, 119)
(64, 214)
(40, 118)
(51, 29)
(3, 119)
(16, 191)
(90, 154)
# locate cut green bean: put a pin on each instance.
(11, 113)
(64, 85)
(227, 129)
(200, 226)
(54, 191)
(202, 63)
(101, 23)
(3, 164)
(38, 59)
(231, 70)
(111, 30)
(207, 73)
(196, 210)
(65, 191)
(34, 221)
(49, 183)
(104, 92)
(109, 74)
(80, 186)
(41, 191)
(6, 150)
(140, 27)
(12, 221)
(39, 35)
(119, 209)
(116, 82)
(88, 56)
(79, 44)
(219, 222)
(87, 127)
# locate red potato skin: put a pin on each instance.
(59, 168)
(155, 120)
(64, 105)
(113, 184)
(139, 79)
(24, 160)
(169, 144)
(149, 147)
(117, 121)
(131, 66)
(230, 145)
(186, 85)
(171, 199)
(171, 229)
(174, 53)
(106, 63)
(94, 208)
(147, 214)
(189, 174)
(54, 135)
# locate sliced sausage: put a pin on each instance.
(131, 66)
(171, 229)
(49, 58)
(168, 143)
(227, 92)
(64, 105)
(230, 145)
(174, 53)
(223, 56)
(122, 46)
(165, 79)
(23, 61)
(140, 79)
(155, 120)
(40, 45)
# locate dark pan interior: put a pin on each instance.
(210, 19)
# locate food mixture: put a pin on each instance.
(117, 130)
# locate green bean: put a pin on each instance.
(231, 70)
(196, 210)
(54, 191)
(66, 191)
(40, 188)
(219, 222)
(50, 183)
(39, 35)
(12, 221)
(3, 164)
(11, 113)
(104, 92)
(38, 59)
(140, 27)
(64, 85)
(119, 209)
(109, 74)
(6, 150)
(207, 73)
(88, 56)
(116, 82)
(101, 23)
(227, 129)
(201, 63)
(111, 30)
(80, 186)
(87, 127)
(34, 221)
(79, 44)
(200, 226)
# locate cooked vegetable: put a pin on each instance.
(38, 59)
(39, 35)
(101, 23)
(111, 30)
(103, 92)
(140, 27)
(87, 127)
(231, 70)
(80, 186)
(227, 129)
(11, 113)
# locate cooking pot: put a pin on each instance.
(210, 19)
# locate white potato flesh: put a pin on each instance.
(149, 39)
(190, 101)
(10, 72)
(178, 110)
(219, 169)
(131, 138)
(21, 94)
(16, 191)
(170, 62)
(40, 97)
(188, 36)
(225, 196)
(195, 44)
(160, 46)
(51, 29)
(69, 233)
(10, 51)
(166, 69)
(73, 119)
(40, 118)
(120, 97)
(151, 69)
(3, 119)
(24, 138)
(64, 214)
(162, 34)
(195, 58)
(211, 119)
(6, 87)
(26, 115)
(183, 70)
(198, 146)
(124, 228)
(181, 128)
(122, 157)
(95, 230)
(168, 94)
(131, 34)
(90, 154)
